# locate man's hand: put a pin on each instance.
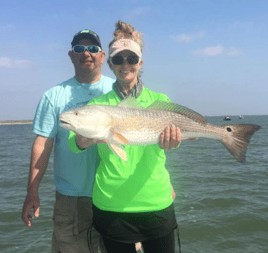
(41, 151)
(170, 137)
(84, 142)
(31, 202)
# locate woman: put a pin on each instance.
(132, 199)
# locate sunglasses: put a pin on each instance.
(131, 59)
(80, 49)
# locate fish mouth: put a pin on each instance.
(66, 125)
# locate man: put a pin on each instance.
(73, 174)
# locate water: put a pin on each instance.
(221, 205)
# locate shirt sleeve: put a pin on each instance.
(164, 97)
(72, 135)
(45, 121)
(72, 143)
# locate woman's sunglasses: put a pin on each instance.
(131, 59)
(80, 49)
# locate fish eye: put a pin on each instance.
(76, 113)
(229, 129)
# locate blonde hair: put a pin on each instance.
(124, 30)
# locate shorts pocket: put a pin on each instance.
(65, 227)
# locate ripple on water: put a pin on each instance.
(221, 205)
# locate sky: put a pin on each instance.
(208, 55)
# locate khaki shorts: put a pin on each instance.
(73, 231)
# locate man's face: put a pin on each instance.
(87, 62)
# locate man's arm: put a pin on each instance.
(41, 150)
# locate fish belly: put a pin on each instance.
(141, 137)
(140, 127)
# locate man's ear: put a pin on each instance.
(70, 53)
(103, 55)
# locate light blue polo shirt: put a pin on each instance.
(73, 173)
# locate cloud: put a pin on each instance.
(6, 28)
(218, 50)
(54, 16)
(209, 51)
(139, 11)
(187, 37)
(89, 10)
(6, 62)
(232, 51)
(242, 25)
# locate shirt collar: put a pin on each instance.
(135, 91)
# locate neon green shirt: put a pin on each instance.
(139, 184)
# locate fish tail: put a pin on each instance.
(238, 140)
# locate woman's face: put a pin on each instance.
(126, 72)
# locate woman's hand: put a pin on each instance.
(84, 142)
(170, 137)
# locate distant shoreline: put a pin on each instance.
(24, 122)
(16, 122)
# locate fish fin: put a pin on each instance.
(176, 108)
(130, 102)
(119, 138)
(191, 139)
(118, 150)
(239, 141)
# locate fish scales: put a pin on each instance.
(129, 125)
(132, 122)
(140, 127)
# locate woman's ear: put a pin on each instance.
(110, 64)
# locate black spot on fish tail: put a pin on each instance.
(239, 139)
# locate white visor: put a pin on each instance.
(124, 44)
